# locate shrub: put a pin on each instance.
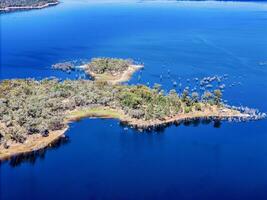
(55, 123)
(187, 109)
(195, 97)
(198, 106)
(136, 113)
(217, 97)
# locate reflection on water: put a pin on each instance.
(187, 122)
(32, 157)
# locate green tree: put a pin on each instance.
(186, 98)
(187, 109)
(130, 100)
(198, 106)
(157, 87)
(217, 96)
(207, 96)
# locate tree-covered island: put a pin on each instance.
(111, 70)
(34, 113)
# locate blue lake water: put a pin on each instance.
(176, 41)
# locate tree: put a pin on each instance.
(56, 123)
(185, 98)
(217, 96)
(198, 106)
(187, 109)
(206, 97)
(185, 95)
(157, 87)
(159, 112)
(174, 101)
(130, 100)
(137, 113)
(149, 112)
(195, 97)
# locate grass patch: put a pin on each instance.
(104, 77)
(95, 112)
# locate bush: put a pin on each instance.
(56, 124)
(217, 97)
(187, 109)
(130, 100)
(138, 114)
(198, 107)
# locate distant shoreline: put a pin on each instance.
(18, 8)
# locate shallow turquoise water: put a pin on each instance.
(175, 41)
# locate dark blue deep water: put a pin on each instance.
(176, 41)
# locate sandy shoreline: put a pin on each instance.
(125, 76)
(37, 142)
(33, 143)
(16, 8)
(215, 114)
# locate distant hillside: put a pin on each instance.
(223, 0)
(214, 0)
(11, 5)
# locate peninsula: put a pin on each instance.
(16, 5)
(33, 114)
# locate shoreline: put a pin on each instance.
(214, 115)
(124, 77)
(33, 143)
(18, 8)
(37, 142)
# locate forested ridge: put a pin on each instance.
(24, 3)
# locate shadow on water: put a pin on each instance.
(32, 157)
(187, 122)
(205, 121)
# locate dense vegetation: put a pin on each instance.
(21, 3)
(37, 107)
(111, 66)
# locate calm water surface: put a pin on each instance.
(176, 41)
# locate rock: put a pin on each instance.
(222, 86)
(209, 86)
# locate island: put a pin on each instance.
(16, 5)
(36, 113)
(111, 70)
